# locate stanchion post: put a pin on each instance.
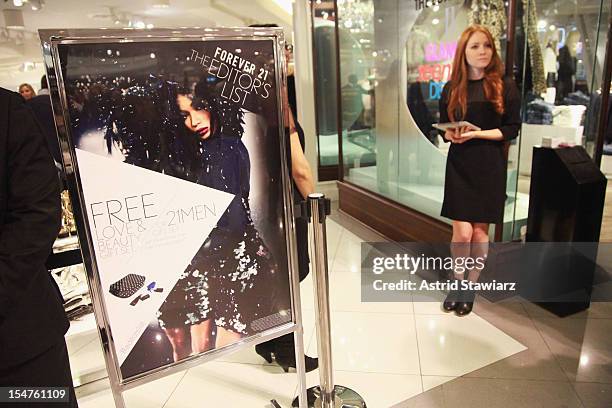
(327, 395)
(321, 295)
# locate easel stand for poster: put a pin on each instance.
(272, 38)
(327, 395)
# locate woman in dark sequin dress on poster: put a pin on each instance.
(224, 289)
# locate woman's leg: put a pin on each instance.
(460, 248)
(180, 341)
(202, 336)
(225, 337)
(480, 247)
(460, 244)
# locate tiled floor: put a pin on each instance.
(402, 354)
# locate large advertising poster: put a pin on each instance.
(177, 146)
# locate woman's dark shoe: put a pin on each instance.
(464, 307)
(311, 363)
(265, 351)
(450, 303)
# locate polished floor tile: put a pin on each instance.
(77, 342)
(219, 384)
(432, 304)
(594, 395)
(454, 346)
(377, 390)
(348, 255)
(581, 346)
(334, 232)
(150, 395)
(373, 342)
(494, 393)
(598, 310)
(433, 381)
(536, 362)
(87, 360)
(345, 296)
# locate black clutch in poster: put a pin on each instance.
(177, 145)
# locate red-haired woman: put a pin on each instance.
(475, 186)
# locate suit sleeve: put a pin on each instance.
(511, 119)
(33, 212)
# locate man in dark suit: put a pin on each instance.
(32, 320)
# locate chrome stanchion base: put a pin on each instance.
(345, 398)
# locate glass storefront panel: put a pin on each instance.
(361, 89)
(408, 56)
(395, 58)
(324, 50)
(428, 41)
(560, 49)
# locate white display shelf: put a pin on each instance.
(83, 325)
(65, 244)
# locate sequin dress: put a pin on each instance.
(226, 278)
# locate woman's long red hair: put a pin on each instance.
(493, 82)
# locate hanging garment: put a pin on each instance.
(530, 22)
(492, 15)
(550, 61)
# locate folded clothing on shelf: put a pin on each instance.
(539, 112)
(72, 282)
(568, 115)
(79, 312)
(577, 98)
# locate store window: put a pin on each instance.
(558, 64)
(400, 55)
(326, 91)
(396, 56)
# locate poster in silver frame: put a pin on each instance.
(173, 143)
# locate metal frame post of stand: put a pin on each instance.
(327, 395)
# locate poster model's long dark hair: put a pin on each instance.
(146, 125)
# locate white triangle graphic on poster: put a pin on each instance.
(143, 223)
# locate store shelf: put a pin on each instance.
(81, 326)
(66, 244)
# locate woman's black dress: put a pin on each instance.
(475, 184)
(228, 279)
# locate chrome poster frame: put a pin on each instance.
(51, 39)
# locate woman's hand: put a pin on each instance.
(466, 134)
(460, 135)
(450, 134)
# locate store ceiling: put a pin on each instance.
(19, 46)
